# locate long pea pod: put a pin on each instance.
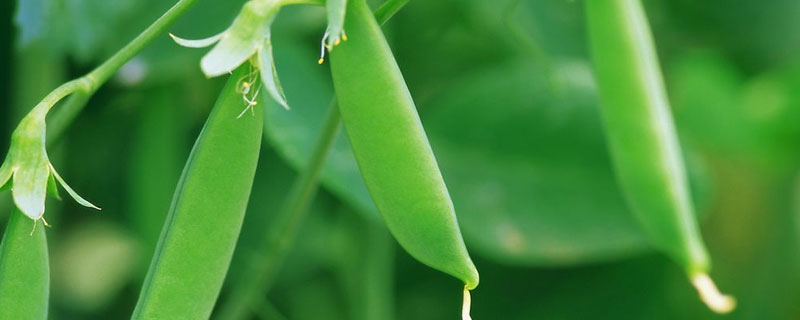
(24, 270)
(201, 229)
(642, 138)
(392, 150)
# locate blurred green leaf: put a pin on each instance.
(156, 152)
(528, 170)
(92, 263)
(757, 118)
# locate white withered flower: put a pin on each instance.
(27, 170)
(247, 37)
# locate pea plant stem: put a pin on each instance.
(100, 75)
(282, 234)
(67, 112)
(368, 271)
(85, 86)
(378, 282)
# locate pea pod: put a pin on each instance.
(643, 141)
(392, 150)
(201, 229)
(24, 270)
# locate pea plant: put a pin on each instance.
(387, 168)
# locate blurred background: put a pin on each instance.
(506, 94)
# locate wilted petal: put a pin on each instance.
(226, 56)
(30, 187)
(240, 42)
(71, 192)
(336, 11)
(199, 43)
(29, 168)
(269, 76)
(28, 157)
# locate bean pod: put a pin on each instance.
(24, 270)
(201, 229)
(392, 150)
(642, 138)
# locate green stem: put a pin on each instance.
(100, 75)
(378, 281)
(67, 113)
(88, 84)
(283, 232)
(366, 267)
(532, 46)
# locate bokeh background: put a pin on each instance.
(506, 93)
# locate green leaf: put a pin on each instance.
(721, 111)
(93, 263)
(528, 169)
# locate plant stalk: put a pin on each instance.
(85, 86)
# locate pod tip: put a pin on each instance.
(465, 307)
(716, 301)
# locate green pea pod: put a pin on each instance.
(200, 233)
(392, 150)
(642, 138)
(24, 270)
